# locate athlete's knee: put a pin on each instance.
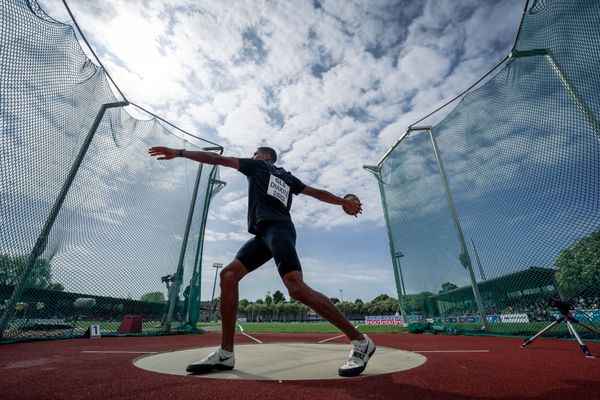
(226, 278)
(297, 293)
(297, 289)
(232, 274)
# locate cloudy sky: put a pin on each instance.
(330, 84)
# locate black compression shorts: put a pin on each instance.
(277, 240)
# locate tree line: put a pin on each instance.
(277, 308)
(577, 275)
(12, 267)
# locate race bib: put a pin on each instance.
(278, 189)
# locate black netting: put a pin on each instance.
(521, 156)
(120, 228)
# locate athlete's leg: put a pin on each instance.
(229, 279)
(320, 303)
(280, 238)
(251, 256)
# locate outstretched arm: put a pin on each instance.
(206, 157)
(353, 205)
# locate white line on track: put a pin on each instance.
(118, 352)
(336, 337)
(245, 334)
(327, 340)
(450, 351)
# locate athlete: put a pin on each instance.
(270, 191)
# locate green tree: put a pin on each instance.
(244, 303)
(358, 307)
(279, 311)
(278, 297)
(420, 303)
(292, 309)
(578, 268)
(56, 286)
(448, 286)
(303, 310)
(261, 309)
(268, 300)
(345, 307)
(12, 267)
(390, 305)
(153, 297)
(381, 297)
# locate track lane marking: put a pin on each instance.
(118, 352)
(450, 351)
(245, 334)
(327, 340)
(336, 337)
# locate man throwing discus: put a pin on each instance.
(270, 190)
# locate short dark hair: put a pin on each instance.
(270, 152)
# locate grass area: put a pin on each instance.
(113, 326)
(305, 327)
(497, 329)
(520, 329)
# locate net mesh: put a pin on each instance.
(117, 238)
(520, 206)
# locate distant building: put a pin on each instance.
(518, 289)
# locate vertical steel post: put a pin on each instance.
(179, 274)
(568, 85)
(42, 239)
(574, 93)
(193, 316)
(481, 272)
(397, 272)
(464, 256)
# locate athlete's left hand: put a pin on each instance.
(352, 205)
(166, 152)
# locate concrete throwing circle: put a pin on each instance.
(282, 361)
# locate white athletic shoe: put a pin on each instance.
(219, 360)
(361, 351)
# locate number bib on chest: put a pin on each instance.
(278, 189)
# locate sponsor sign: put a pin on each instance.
(473, 319)
(582, 315)
(383, 320)
(514, 318)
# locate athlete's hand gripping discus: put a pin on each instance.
(352, 205)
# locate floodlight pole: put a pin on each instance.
(42, 239)
(464, 256)
(376, 170)
(216, 266)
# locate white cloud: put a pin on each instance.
(379, 66)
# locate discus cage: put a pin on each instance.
(493, 212)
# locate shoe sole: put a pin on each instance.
(356, 371)
(206, 368)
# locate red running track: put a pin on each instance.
(64, 369)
